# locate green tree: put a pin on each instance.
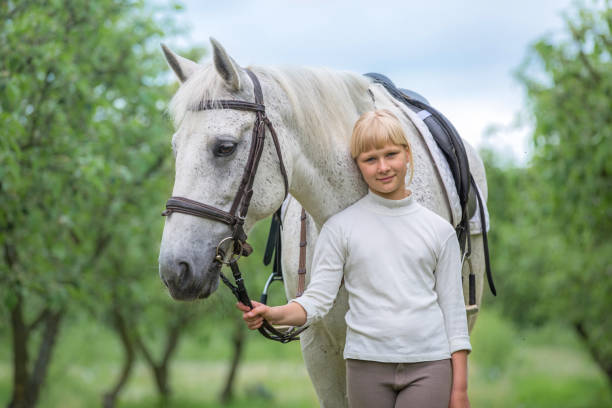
(555, 217)
(83, 138)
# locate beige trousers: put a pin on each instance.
(371, 384)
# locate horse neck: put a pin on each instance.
(324, 178)
(326, 182)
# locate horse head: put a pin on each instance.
(211, 148)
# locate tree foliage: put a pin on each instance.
(82, 126)
(84, 169)
(555, 216)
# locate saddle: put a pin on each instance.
(450, 143)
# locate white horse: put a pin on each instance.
(313, 112)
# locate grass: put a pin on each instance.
(537, 368)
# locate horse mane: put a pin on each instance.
(324, 102)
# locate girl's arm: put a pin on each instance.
(450, 298)
(459, 396)
(450, 294)
(291, 314)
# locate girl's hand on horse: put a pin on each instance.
(253, 318)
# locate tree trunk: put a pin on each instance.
(51, 330)
(161, 370)
(26, 384)
(604, 363)
(228, 391)
(174, 335)
(109, 399)
(20, 355)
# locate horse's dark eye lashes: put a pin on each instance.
(223, 149)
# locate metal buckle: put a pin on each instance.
(234, 256)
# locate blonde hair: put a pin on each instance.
(375, 129)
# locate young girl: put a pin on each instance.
(407, 339)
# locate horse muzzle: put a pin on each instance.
(187, 282)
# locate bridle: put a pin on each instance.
(240, 206)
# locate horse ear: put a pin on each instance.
(182, 67)
(225, 66)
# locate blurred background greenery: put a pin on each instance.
(85, 166)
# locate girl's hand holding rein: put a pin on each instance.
(291, 314)
(253, 318)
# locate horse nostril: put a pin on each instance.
(184, 273)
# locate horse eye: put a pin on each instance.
(224, 149)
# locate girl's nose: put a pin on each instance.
(383, 166)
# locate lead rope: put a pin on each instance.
(240, 292)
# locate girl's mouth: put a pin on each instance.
(385, 179)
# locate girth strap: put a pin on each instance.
(302, 261)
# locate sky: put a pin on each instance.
(460, 55)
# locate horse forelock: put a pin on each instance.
(204, 84)
(322, 102)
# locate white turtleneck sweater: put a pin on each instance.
(402, 270)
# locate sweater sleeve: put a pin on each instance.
(326, 274)
(450, 295)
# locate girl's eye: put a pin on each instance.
(391, 154)
(224, 149)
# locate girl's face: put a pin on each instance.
(384, 170)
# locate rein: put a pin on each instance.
(235, 217)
